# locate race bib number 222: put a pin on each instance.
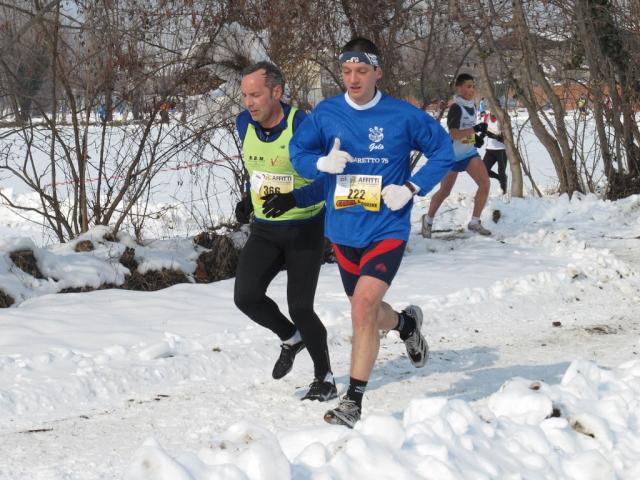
(352, 190)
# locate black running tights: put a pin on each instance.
(499, 156)
(298, 248)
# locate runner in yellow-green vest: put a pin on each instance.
(282, 234)
(270, 170)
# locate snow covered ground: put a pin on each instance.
(534, 369)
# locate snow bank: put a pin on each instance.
(585, 428)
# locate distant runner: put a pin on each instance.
(466, 136)
(495, 151)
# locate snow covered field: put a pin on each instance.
(534, 369)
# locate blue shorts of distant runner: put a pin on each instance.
(460, 165)
(380, 260)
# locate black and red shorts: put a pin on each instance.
(380, 260)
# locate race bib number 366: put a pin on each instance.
(352, 190)
(469, 139)
(265, 183)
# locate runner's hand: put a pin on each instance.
(479, 141)
(277, 204)
(495, 136)
(396, 196)
(480, 127)
(244, 209)
(335, 161)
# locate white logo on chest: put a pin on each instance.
(376, 134)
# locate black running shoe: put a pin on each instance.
(415, 343)
(346, 413)
(321, 391)
(284, 364)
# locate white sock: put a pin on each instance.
(475, 220)
(328, 377)
(428, 220)
(293, 340)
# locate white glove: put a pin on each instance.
(335, 161)
(396, 196)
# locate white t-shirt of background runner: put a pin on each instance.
(493, 126)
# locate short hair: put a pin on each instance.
(463, 77)
(363, 45)
(272, 73)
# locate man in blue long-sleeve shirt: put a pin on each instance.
(361, 143)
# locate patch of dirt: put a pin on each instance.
(128, 259)
(623, 185)
(601, 330)
(154, 280)
(578, 427)
(110, 237)
(6, 300)
(85, 289)
(84, 246)
(220, 262)
(38, 430)
(26, 261)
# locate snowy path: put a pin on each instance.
(469, 365)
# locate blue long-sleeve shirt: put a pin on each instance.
(380, 137)
(310, 194)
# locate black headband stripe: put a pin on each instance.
(360, 57)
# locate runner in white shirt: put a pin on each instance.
(466, 136)
(495, 151)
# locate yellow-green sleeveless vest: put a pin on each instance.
(273, 157)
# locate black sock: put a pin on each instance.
(406, 325)
(356, 390)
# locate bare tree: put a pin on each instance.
(480, 29)
(72, 64)
(607, 35)
(97, 172)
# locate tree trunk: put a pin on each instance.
(557, 145)
(515, 160)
